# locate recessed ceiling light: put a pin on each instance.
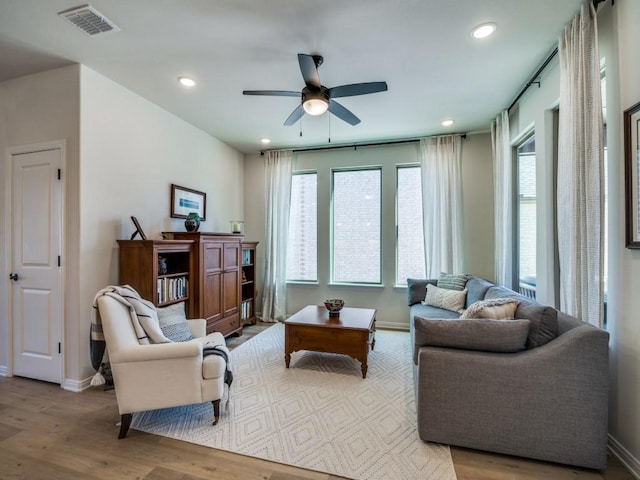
(187, 82)
(265, 140)
(484, 30)
(447, 123)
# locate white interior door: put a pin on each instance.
(36, 225)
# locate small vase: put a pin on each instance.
(162, 265)
(192, 223)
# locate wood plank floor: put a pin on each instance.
(49, 433)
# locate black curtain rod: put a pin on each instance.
(356, 145)
(533, 78)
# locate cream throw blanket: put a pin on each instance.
(144, 319)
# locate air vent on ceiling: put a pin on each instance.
(89, 20)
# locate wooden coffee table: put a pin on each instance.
(350, 333)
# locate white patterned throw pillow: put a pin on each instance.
(496, 308)
(173, 323)
(444, 298)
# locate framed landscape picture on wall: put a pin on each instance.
(185, 200)
(631, 169)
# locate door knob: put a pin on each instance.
(14, 277)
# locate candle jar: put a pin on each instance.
(237, 226)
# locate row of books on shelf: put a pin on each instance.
(170, 289)
(246, 257)
(246, 310)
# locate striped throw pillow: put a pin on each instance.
(452, 281)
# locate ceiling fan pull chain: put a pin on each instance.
(329, 128)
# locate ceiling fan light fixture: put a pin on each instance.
(315, 106)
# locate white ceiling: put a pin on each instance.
(423, 49)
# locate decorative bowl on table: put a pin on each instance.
(334, 306)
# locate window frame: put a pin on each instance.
(302, 281)
(332, 280)
(397, 280)
(522, 140)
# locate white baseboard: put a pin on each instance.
(4, 370)
(392, 326)
(76, 385)
(625, 457)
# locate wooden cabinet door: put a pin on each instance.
(230, 292)
(231, 256)
(211, 300)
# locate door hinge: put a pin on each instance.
(59, 347)
(59, 261)
(59, 174)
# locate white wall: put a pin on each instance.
(123, 153)
(38, 109)
(131, 152)
(619, 39)
(390, 301)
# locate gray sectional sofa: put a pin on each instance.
(536, 387)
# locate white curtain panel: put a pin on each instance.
(503, 199)
(278, 170)
(580, 170)
(441, 159)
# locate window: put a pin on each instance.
(410, 232)
(526, 214)
(302, 246)
(356, 226)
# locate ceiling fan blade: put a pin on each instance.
(357, 89)
(309, 71)
(342, 113)
(295, 116)
(272, 93)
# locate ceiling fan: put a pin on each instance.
(315, 99)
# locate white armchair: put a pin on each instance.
(149, 377)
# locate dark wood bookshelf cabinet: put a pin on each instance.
(216, 279)
(249, 290)
(159, 270)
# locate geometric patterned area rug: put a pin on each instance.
(319, 414)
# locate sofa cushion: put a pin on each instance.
(544, 322)
(476, 289)
(173, 323)
(444, 298)
(452, 281)
(501, 292)
(427, 311)
(488, 335)
(417, 289)
(497, 308)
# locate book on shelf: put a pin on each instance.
(170, 289)
(246, 309)
(246, 257)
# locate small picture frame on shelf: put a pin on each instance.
(139, 230)
(185, 200)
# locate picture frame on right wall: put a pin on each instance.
(632, 178)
